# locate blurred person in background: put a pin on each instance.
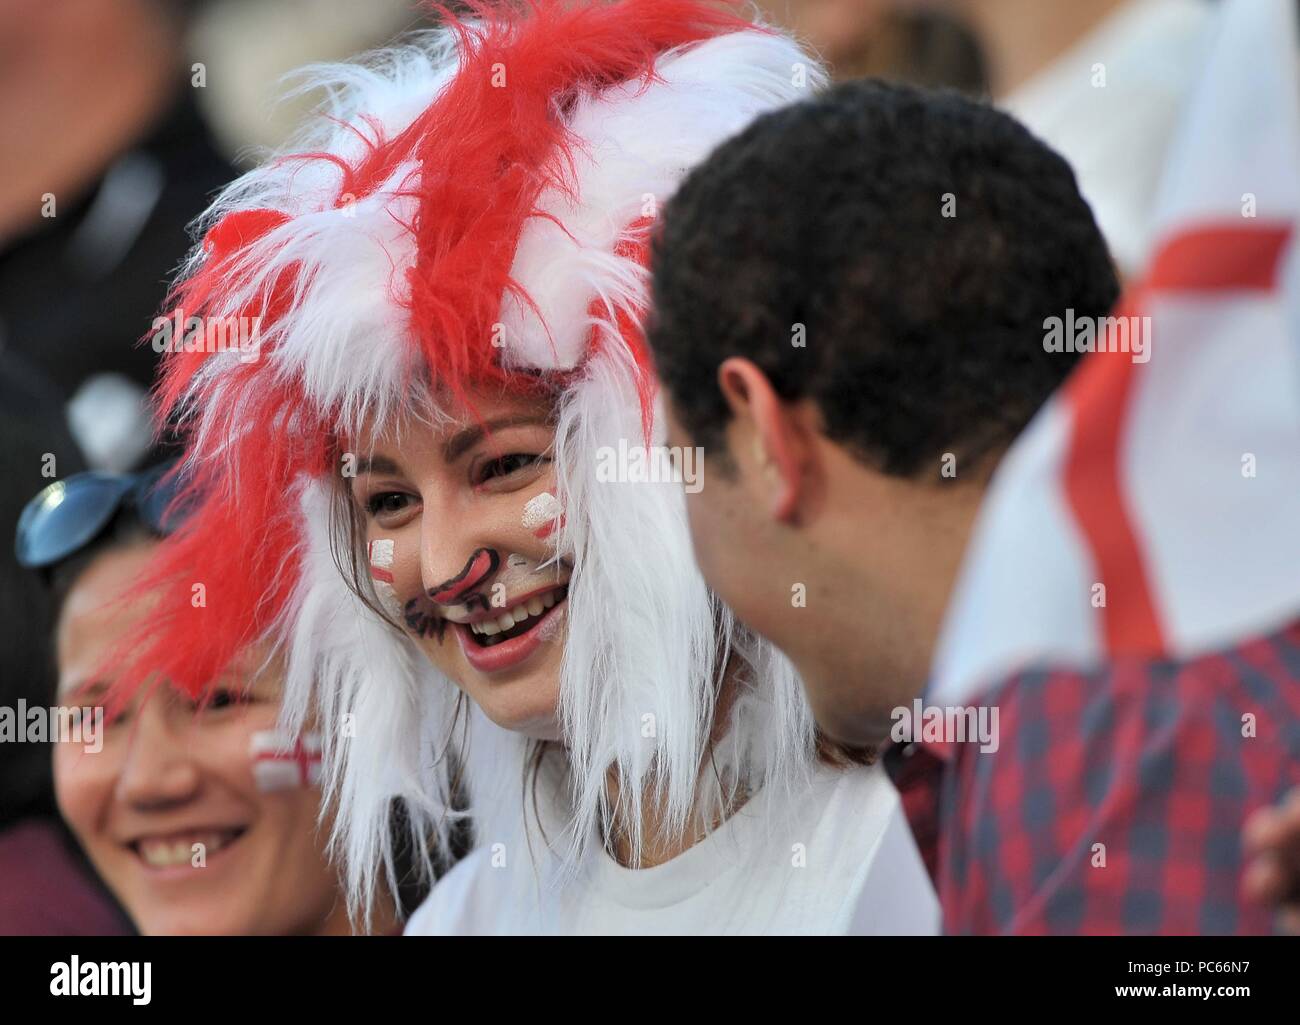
(1272, 875)
(1103, 82)
(880, 39)
(103, 162)
(250, 46)
(200, 817)
(48, 887)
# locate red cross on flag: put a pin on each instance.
(283, 762)
(1153, 506)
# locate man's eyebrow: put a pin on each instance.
(458, 443)
(376, 464)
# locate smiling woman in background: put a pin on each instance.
(200, 817)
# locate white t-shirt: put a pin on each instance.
(841, 860)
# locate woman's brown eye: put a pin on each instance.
(224, 698)
(386, 502)
(507, 465)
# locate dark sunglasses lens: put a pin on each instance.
(66, 516)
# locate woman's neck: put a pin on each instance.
(659, 841)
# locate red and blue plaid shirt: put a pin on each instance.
(1116, 798)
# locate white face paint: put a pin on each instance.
(517, 573)
(541, 512)
(281, 764)
(518, 576)
(380, 555)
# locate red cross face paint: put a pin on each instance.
(464, 503)
(379, 553)
(543, 515)
(281, 762)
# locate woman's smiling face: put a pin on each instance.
(460, 524)
(175, 811)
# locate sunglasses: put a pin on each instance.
(71, 514)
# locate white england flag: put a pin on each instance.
(1153, 506)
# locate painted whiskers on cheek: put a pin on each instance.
(422, 620)
(420, 613)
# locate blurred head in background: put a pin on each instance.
(1104, 83)
(78, 83)
(1020, 37)
(104, 159)
(36, 447)
(201, 818)
(890, 39)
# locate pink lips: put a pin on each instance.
(506, 654)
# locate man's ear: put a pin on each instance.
(782, 448)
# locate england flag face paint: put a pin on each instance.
(281, 762)
(379, 554)
(543, 514)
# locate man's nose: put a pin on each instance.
(159, 769)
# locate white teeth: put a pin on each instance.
(163, 853)
(534, 606)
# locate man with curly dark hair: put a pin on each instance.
(849, 312)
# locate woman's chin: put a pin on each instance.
(197, 924)
(522, 698)
(537, 720)
(528, 705)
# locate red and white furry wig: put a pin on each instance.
(501, 171)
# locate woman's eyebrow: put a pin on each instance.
(458, 443)
(376, 464)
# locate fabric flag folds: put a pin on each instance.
(1153, 507)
